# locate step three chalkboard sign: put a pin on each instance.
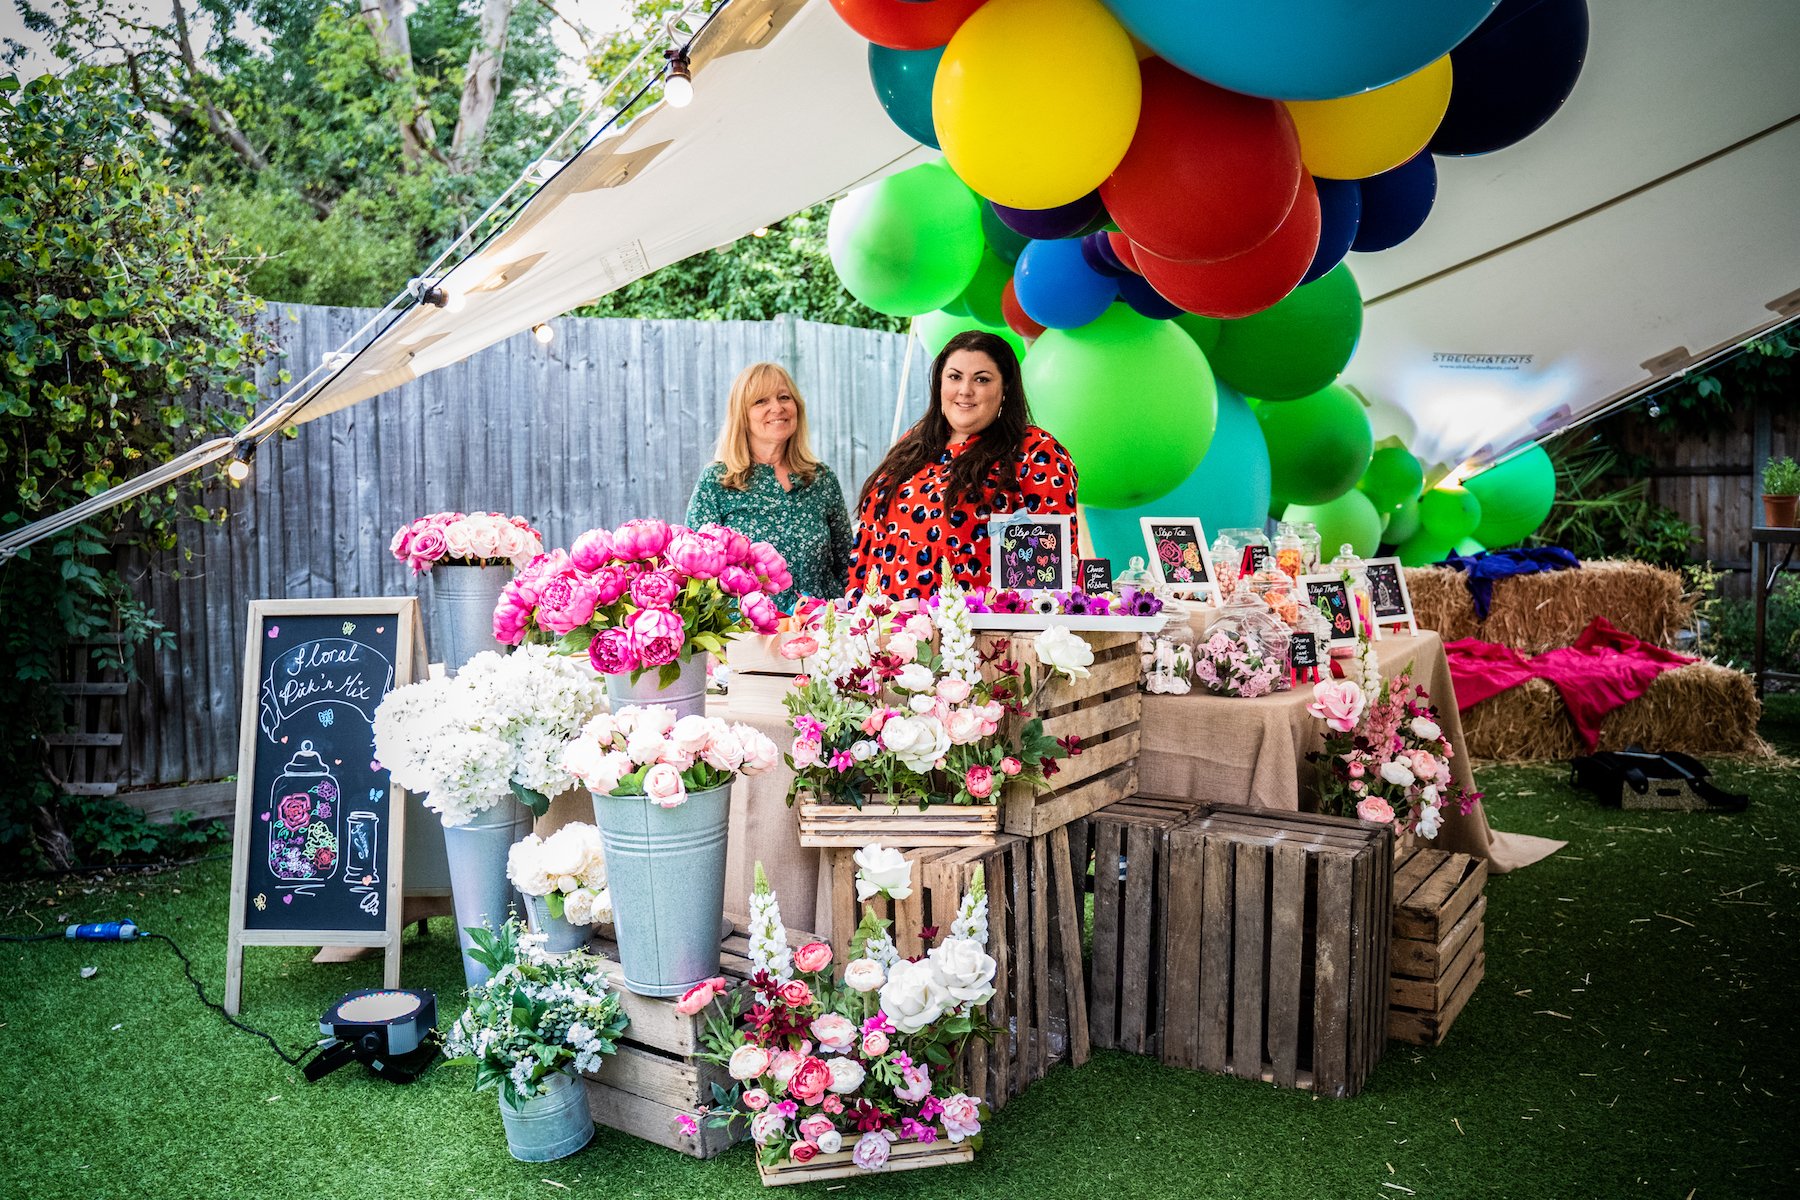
(320, 831)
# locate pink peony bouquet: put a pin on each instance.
(853, 1063)
(476, 539)
(648, 751)
(1235, 663)
(647, 595)
(1385, 760)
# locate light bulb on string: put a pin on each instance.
(678, 85)
(445, 297)
(543, 333)
(238, 469)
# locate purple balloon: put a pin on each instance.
(1048, 224)
(1136, 291)
(1099, 255)
(1395, 203)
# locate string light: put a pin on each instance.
(760, 231)
(447, 298)
(238, 469)
(678, 84)
(543, 333)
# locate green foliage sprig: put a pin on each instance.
(1781, 477)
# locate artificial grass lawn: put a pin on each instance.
(1632, 1038)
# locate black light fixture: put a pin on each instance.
(442, 296)
(678, 83)
(391, 1031)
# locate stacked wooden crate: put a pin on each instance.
(1438, 953)
(760, 676)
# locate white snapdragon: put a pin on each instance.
(768, 936)
(956, 634)
(972, 914)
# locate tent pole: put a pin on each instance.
(905, 378)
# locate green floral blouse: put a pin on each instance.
(809, 525)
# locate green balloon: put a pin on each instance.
(981, 299)
(1515, 497)
(1469, 548)
(1349, 518)
(1319, 445)
(909, 243)
(1394, 477)
(1131, 398)
(1403, 523)
(934, 329)
(1204, 331)
(1422, 550)
(1449, 514)
(1002, 238)
(1298, 345)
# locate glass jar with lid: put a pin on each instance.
(1311, 550)
(1247, 620)
(1290, 549)
(1229, 551)
(1347, 563)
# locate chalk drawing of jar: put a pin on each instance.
(305, 824)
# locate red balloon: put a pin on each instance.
(1121, 246)
(1014, 312)
(906, 24)
(1250, 282)
(1210, 173)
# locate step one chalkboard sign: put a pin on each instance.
(1179, 558)
(321, 829)
(1388, 595)
(1031, 553)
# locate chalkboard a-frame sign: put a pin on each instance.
(320, 832)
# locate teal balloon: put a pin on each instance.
(1348, 519)
(909, 243)
(981, 299)
(1132, 400)
(1423, 549)
(1402, 523)
(1394, 477)
(1319, 445)
(903, 80)
(1449, 513)
(1515, 496)
(1230, 488)
(1002, 238)
(1296, 346)
(934, 329)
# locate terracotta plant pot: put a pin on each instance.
(1778, 511)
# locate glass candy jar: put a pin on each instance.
(305, 821)
(1290, 550)
(1228, 551)
(1277, 589)
(1347, 563)
(1310, 549)
(1247, 618)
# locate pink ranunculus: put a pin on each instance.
(812, 957)
(427, 548)
(1425, 765)
(696, 555)
(979, 781)
(760, 611)
(609, 584)
(1339, 703)
(783, 1064)
(809, 1081)
(803, 645)
(832, 1103)
(699, 996)
(952, 690)
(738, 581)
(613, 652)
(640, 540)
(961, 1117)
(1374, 808)
(874, 1044)
(1010, 766)
(795, 993)
(664, 786)
(756, 1099)
(655, 589)
(592, 550)
(836, 1033)
(811, 1127)
(964, 726)
(871, 1152)
(806, 754)
(803, 1152)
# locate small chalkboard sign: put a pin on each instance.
(1031, 553)
(1255, 559)
(1178, 555)
(1331, 596)
(320, 832)
(1303, 650)
(1096, 575)
(1388, 595)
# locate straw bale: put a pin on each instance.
(1535, 613)
(1698, 709)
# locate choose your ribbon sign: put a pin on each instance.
(326, 671)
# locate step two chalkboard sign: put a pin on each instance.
(320, 833)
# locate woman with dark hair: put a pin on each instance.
(974, 453)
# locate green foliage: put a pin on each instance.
(1727, 626)
(1597, 516)
(1764, 374)
(1781, 477)
(110, 830)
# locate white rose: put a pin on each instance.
(922, 703)
(1430, 820)
(1397, 774)
(483, 537)
(903, 646)
(915, 677)
(864, 749)
(578, 907)
(693, 733)
(601, 728)
(830, 1142)
(456, 539)
(565, 852)
(881, 870)
(1062, 651)
(646, 745)
(766, 1126)
(748, 1062)
(567, 883)
(846, 1076)
(659, 717)
(913, 996)
(760, 752)
(725, 752)
(603, 912)
(524, 866)
(664, 786)
(1425, 728)
(917, 742)
(965, 968)
(864, 975)
(509, 540)
(1429, 793)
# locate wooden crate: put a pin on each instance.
(1277, 960)
(902, 1156)
(1129, 842)
(1438, 956)
(657, 1075)
(1034, 935)
(905, 827)
(1103, 710)
(760, 677)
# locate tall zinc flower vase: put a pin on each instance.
(461, 613)
(560, 934)
(552, 1126)
(479, 889)
(665, 868)
(687, 695)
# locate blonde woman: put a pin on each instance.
(767, 485)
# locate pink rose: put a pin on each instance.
(783, 1064)
(760, 753)
(871, 1153)
(953, 690)
(613, 652)
(401, 540)
(640, 540)
(760, 611)
(696, 555)
(655, 589)
(803, 1152)
(756, 1099)
(663, 785)
(812, 957)
(812, 1127)
(804, 645)
(836, 1033)
(592, 550)
(428, 547)
(979, 782)
(699, 996)
(874, 1044)
(961, 1117)
(1375, 809)
(1339, 703)
(795, 993)
(1357, 770)
(810, 1081)
(1010, 766)
(806, 754)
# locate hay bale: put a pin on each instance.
(1698, 709)
(1535, 613)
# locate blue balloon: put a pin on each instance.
(1395, 203)
(1136, 291)
(903, 80)
(1340, 212)
(1056, 287)
(1512, 74)
(1300, 49)
(1229, 488)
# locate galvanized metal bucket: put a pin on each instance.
(559, 934)
(551, 1126)
(665, 868)
(461, 614)
(479, 889)
(687, 695)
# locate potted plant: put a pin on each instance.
(537, 1022)
(1781, 490)
(469, 557)
(563, 880)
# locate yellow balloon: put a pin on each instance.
(1035, 101)
(1374, 131)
